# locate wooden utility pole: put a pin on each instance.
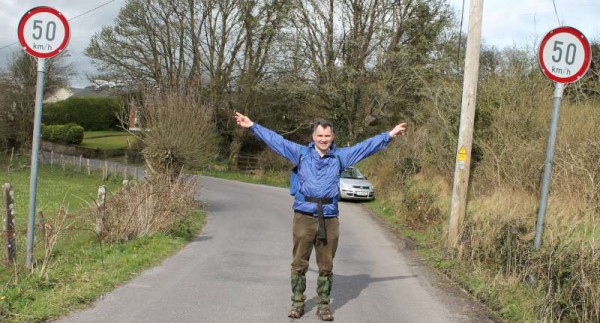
(467, 119)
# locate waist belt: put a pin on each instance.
(322, 231)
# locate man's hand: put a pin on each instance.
(242, 120)
(399, 129)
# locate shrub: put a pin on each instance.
(178, 132)
(92, 113)
(148, 208)
(419, 199)
(570, 275)
(65, 134)
(270, 161)
(73, 133)
(511, 126)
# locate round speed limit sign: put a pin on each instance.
(43, 32)
(565, 55)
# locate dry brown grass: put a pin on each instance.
(500, 232)
(504, 204)
(512, 125)
(52, 230)
(577, 161)
(147, 208)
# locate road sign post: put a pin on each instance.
(564, 57)
(44, 33)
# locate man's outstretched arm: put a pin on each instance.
(354, 154)
(285, 148)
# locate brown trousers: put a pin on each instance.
(304, 231)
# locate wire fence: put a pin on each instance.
(86, 165)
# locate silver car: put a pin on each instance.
(354, 186)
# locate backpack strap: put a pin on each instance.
(339, 159)
(303, 153)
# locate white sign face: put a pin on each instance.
(43, 32)
(564, 55)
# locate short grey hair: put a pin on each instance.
(323, 123)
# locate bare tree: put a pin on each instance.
(154, 42)
(172, 44)
(261, 22)
(220, 44)
(364, 54)
(361, 59)
(219, 48)
(17, 95)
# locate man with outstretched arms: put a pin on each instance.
(316, 192)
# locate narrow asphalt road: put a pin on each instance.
(237, 270)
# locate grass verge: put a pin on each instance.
(512, 301)
(80, 268)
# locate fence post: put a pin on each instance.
(80, 161)
(12, 154)
(88, 166)
(9, 222)
(101, 209)
(105, 173)
(51, 158)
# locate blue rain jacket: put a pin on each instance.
(319, 176)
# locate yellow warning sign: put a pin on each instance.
(462, 154)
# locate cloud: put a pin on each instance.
(523, 23)
(519, 23)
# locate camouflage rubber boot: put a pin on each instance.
(324, 284)
(298, 298)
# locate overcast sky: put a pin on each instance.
(506, 23)
(82, 28)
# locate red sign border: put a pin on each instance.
(21, 31)
(586, 48)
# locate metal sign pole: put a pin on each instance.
(539, 228)
(37, 124)
(565, 56)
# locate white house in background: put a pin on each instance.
(93, 91)
(60, 94)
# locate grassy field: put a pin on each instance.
(107, 140)
(80, 267)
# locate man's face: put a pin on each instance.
(323, 137)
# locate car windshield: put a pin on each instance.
(351, 173)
